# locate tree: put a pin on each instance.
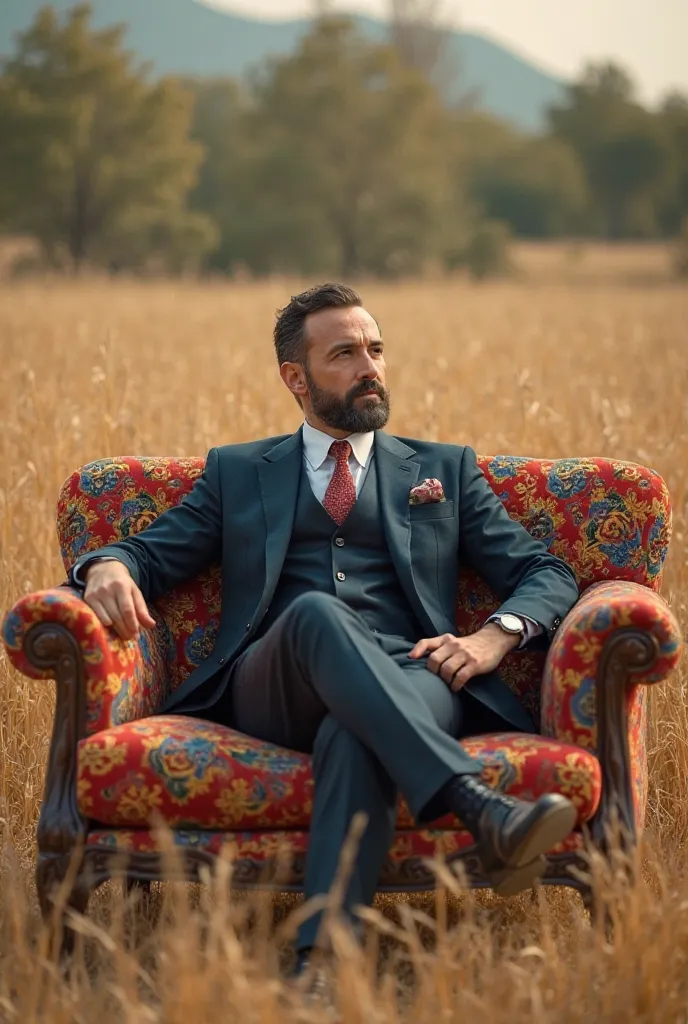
(99, 161)
(336, 162)
(535, 185)
(674, 206)
(621, 146)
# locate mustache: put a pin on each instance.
(366, 387)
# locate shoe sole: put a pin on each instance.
(527, 862)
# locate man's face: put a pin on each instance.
(344, 375)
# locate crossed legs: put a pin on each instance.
(375, 721)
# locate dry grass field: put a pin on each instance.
(589, 365)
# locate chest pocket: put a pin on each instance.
(431, 511)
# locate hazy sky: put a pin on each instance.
(650, 37)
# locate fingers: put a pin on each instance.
(143, 615)
(429, 644)
(448, 659)
(99, 609)
(462, 676)
(121, 606)
(127, 615)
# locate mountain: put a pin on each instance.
(187, 38)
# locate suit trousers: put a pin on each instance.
(376, 722)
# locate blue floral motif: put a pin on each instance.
(567, 477)
(137, 513)
(657, 546)
(99, 477)
(611, 527)
(583, 702)
(541, 526)
(504, 467)
(177, 761)
(268, 758)
(12, 629)
(201, 643)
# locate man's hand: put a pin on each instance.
(456, 659)
(116, 599)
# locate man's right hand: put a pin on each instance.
(116, 599)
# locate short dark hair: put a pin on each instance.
(290, 333)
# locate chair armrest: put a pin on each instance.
(118, 680)
(616, 640)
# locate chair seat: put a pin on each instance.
(196, 774)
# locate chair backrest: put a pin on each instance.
(608, 520)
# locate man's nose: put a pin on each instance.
(369, 369)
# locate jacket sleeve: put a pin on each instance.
(525, 577)
(178, 545)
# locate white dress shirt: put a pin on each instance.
(320, 464)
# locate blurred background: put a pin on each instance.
(401, 137)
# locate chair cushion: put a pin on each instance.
(196, 774)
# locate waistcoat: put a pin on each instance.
(350, 561)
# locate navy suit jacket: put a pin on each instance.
(241, 510)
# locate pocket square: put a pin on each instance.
(426, 491)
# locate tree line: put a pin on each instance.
(342, 157)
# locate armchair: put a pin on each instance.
(115, 767)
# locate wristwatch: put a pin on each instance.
(510, 624)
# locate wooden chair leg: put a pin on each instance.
(600, 915)
(53, 872)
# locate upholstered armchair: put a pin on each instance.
(115, 767)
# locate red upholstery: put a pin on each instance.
(197, 774)
(609, 520)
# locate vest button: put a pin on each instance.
(339, 541)
(341, 577)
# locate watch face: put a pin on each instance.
(511, 623)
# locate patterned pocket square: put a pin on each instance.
(427, 491)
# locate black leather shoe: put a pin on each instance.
(513, 835)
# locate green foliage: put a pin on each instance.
(334, 162)
(623, 148)
(486, 252)
(94, 145)
(339, 159)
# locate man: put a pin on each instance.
(337, 634)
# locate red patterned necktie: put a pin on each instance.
(341, 493)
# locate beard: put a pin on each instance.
(342, 414)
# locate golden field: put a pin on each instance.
(572, 358)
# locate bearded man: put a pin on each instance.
(337, 635)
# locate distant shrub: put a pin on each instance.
(681, 252)
(486, 252)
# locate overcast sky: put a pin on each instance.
(650, 37)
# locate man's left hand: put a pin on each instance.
(456, 659)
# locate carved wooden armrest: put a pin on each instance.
(617, 639)
(101, 681)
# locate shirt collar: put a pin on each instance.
(316, 445)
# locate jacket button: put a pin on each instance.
(248, 626)
(340, 542)
(341, 577)
(222, 661)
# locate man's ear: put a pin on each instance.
(294, 377)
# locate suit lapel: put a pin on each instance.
(279, 474)
(397, 474)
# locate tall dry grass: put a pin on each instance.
(576, 368)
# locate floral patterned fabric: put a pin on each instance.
(198, 774)
(125, 679)
(568, 686)
(609, 520)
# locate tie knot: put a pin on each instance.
(340, 451)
